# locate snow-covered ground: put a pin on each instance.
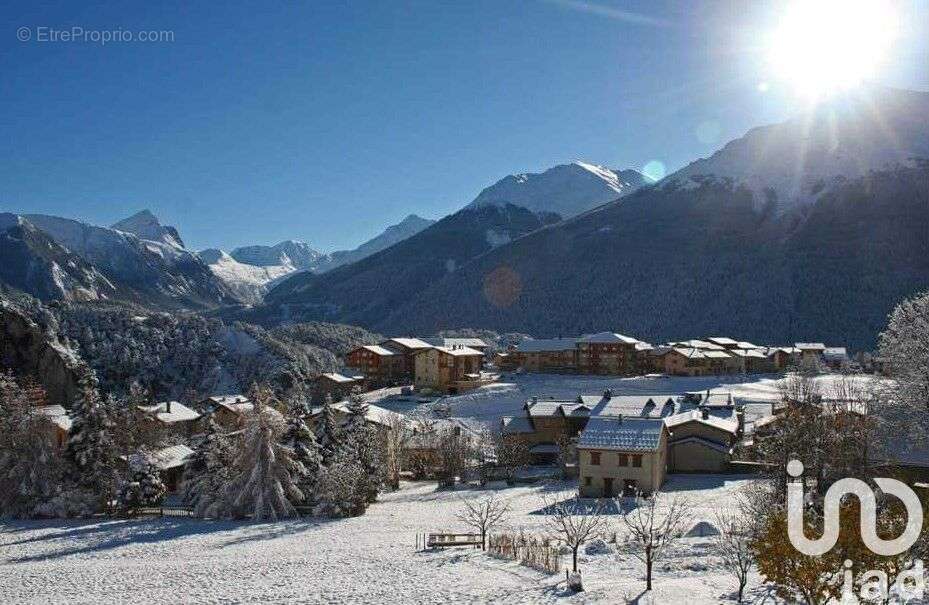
(369, 559)
(487, 405)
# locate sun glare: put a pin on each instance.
(824, 46)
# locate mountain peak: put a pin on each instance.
(566, 189)
(146, 225)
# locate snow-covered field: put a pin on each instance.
(369, 559)
(487, 405)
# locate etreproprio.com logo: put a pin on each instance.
(78, 34)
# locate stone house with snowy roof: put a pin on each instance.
(548, 355)
(228, 411)
(406, 348)
(448, 369)
(621, 456)
(171, 417)
(337, 385)
(702, 442)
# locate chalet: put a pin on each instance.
(750, 361)
(336, 385)
(835, 358)
(606, 353)
(810, 352)
(406, 348)
(702, 442)
(477, 344)
(448, 369)
(782, 358)
(171, 416)
(679, 361)
(379, 365)
(622, 456)
(58, 425)
(550, 355)
(170, 462)
(228, 411)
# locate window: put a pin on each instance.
(637, 460)
(595, 458)
(587, 481)
(623, 459)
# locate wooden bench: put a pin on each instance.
(446, 540)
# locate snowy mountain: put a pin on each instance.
(33, 262)
(297, 254)
(249, 282)
(793, 162)
(146, 226)
(730, 245)
(566, 190)
(393, 234)
(83, 261)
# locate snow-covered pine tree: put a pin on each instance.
(90, 443)
(30, 469)
(208, 472)
(362, 444)
(143, 488)
(341, 491)
(328, 433)
(265, 473)
(302, 442)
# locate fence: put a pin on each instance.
(167, 511)
(537, 553)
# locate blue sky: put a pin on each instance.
(326, 121)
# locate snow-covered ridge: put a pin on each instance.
(849, 137)
(566, 190)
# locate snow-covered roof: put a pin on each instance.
(409, 343)
(172, 457)
(713, 354)
(723, 341)
(835, 353)
(336, 377)
(810, 346)
(643, 346)
(457, 342)
(460, 351)
(238, 404)
(178, 412)
(689, 353)
(379, 350)
(755, 353)
(743, 344)
(625, 434)
(697, 344)
(375, 413)
(729, 425)
(719, 447)
(57, 415)
(546, 344)
(511, 425)
(607, 337)
(643, 406)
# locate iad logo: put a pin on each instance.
(857, 487)
(875, 584)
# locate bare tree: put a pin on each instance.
(484, 515)
(655, 524)
(398, 436)
(573, 522)
(733, 544)
(512, 455)
(454, 450)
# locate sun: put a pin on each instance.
(824, 46)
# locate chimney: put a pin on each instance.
(534, 399)
(168, 407)
(740, 416)
(705, 413)
(457, 431)
(608, 394)
(620, 418)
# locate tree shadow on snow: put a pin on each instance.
(587, 506)
(107, 535)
